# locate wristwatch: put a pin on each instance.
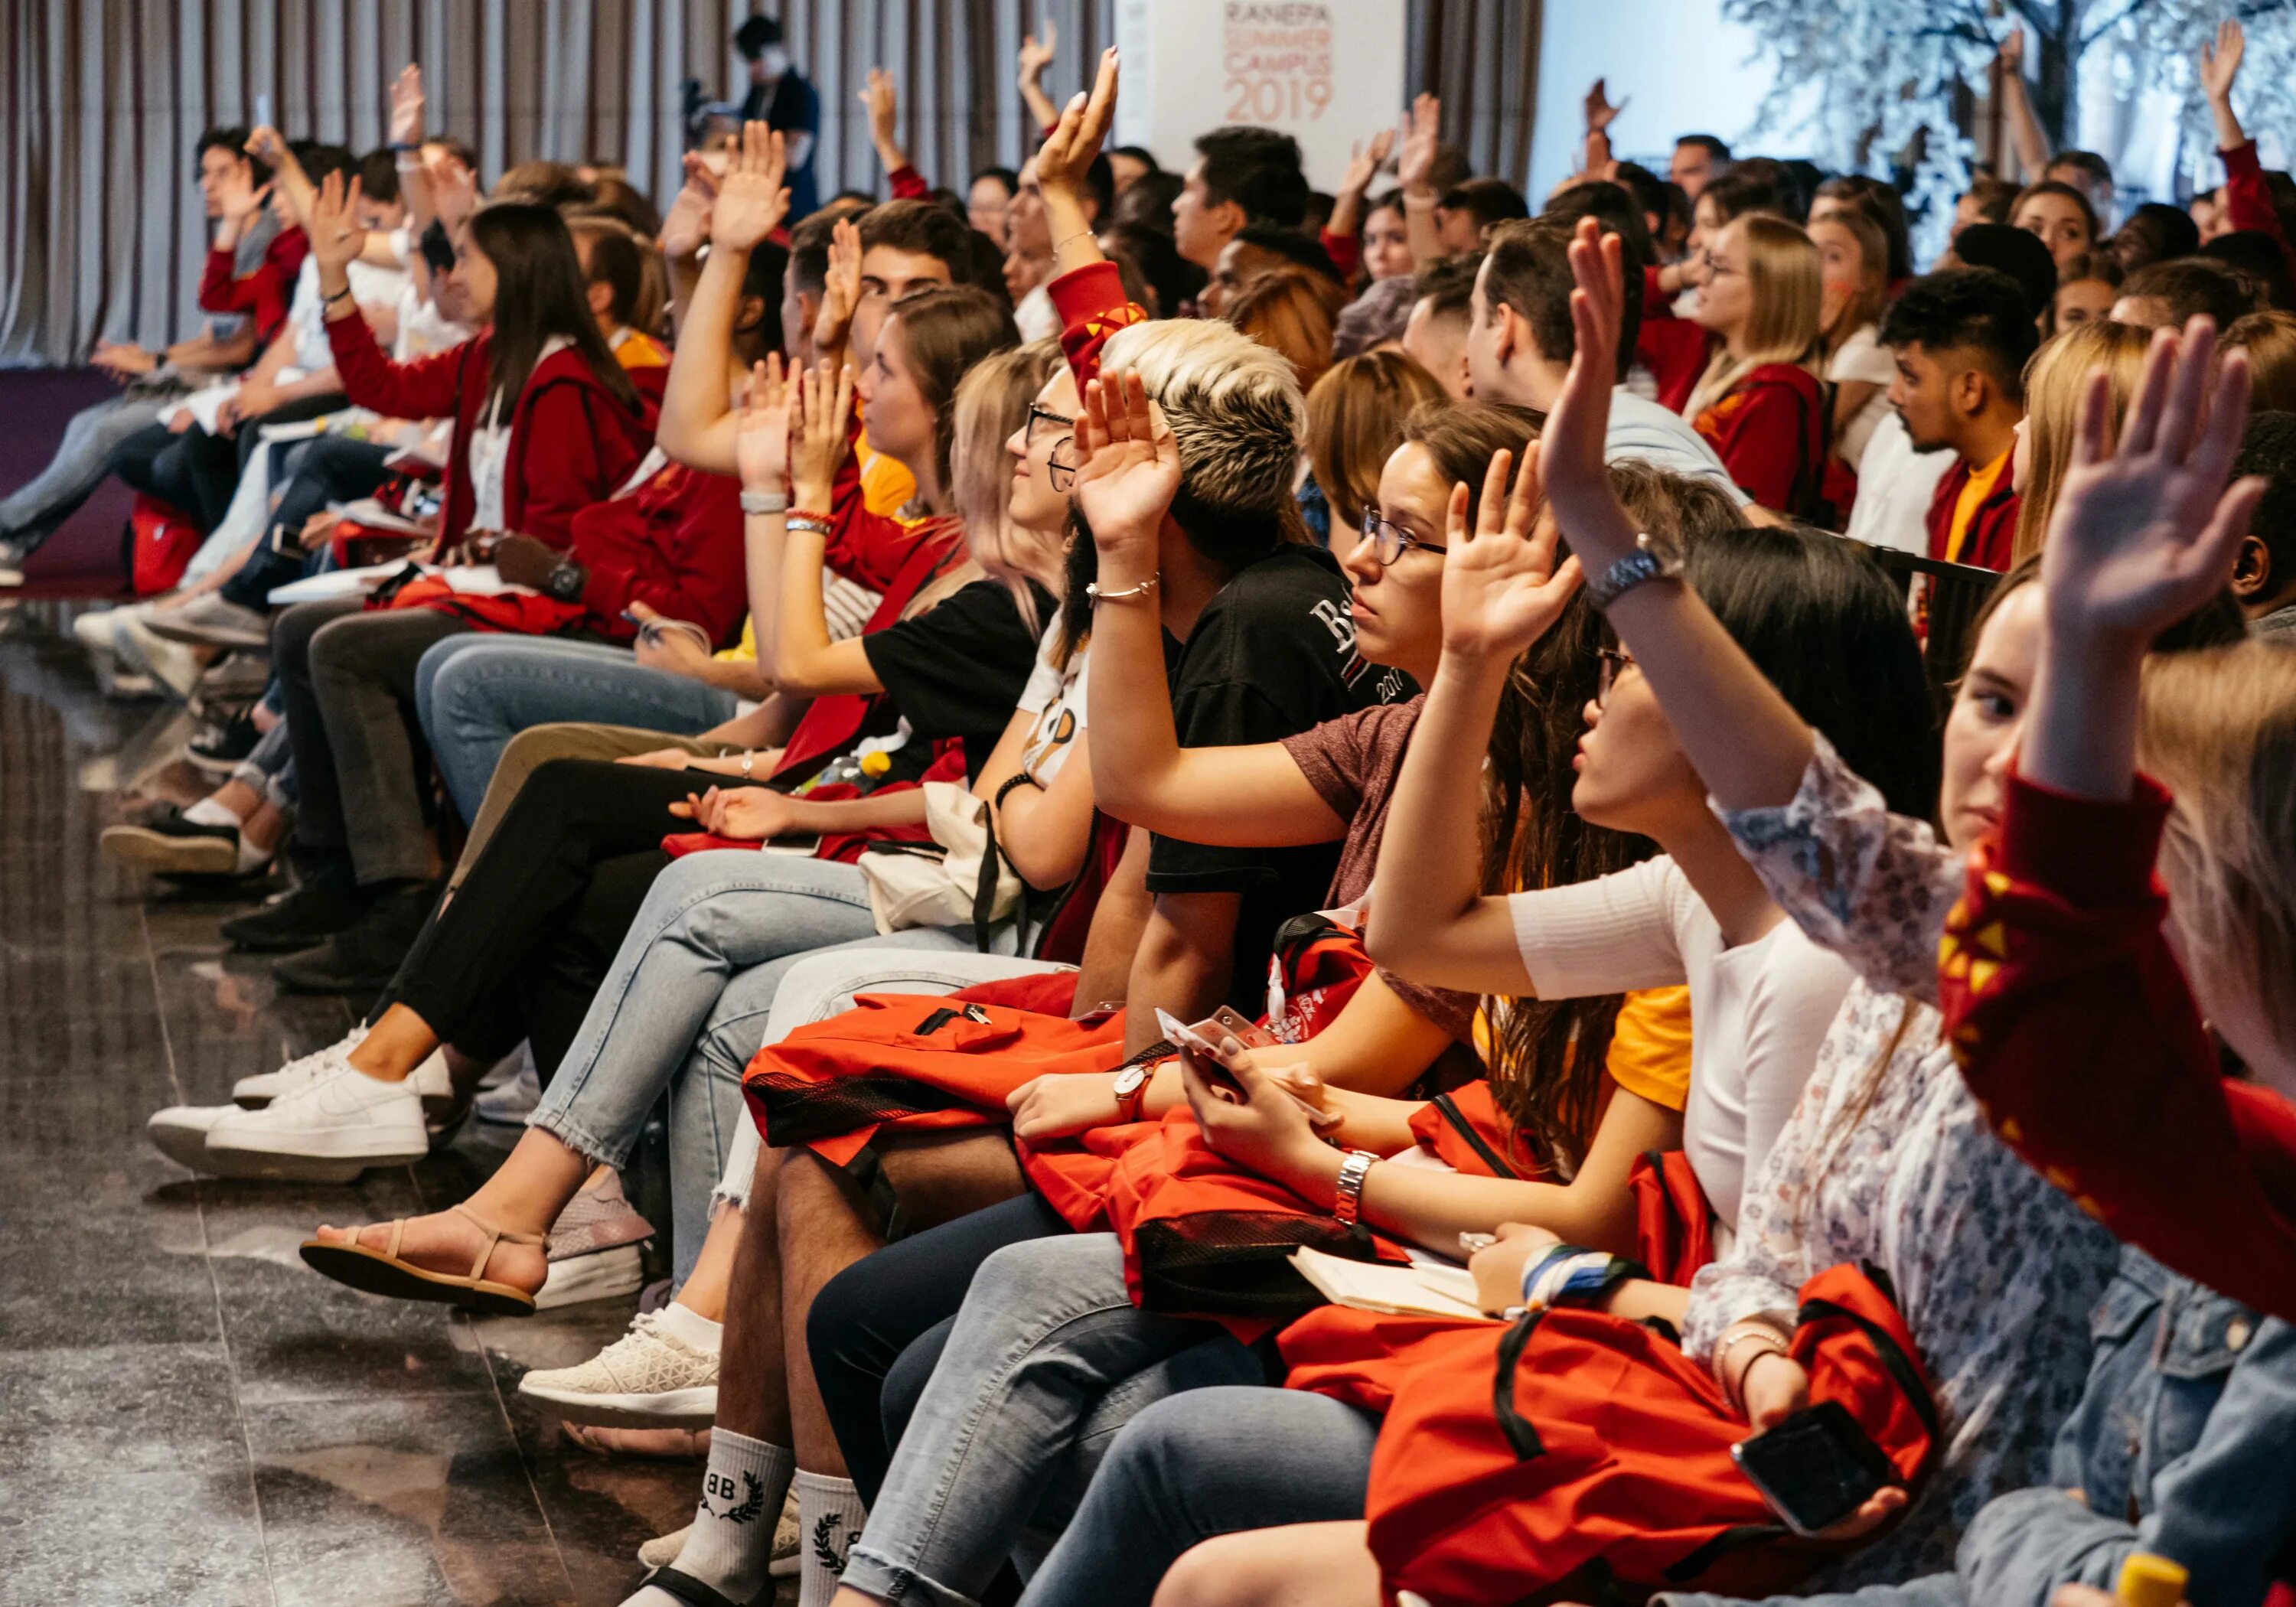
(1654, 558)
(565, 582)
(1131, 1089)
(1347, 1198)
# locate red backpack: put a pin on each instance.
(160, 541)
(1578, 1456)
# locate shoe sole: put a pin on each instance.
(199, 635)
(157, 851)
(212, 764)
(372, 1273)
(604, 1274)
(223, 1160)
(274, 943)
(295, 979)
(181, 1142)
(694, 1408)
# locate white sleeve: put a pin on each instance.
(1606, 936)
(1803, 988)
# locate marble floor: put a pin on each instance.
(187, 1414)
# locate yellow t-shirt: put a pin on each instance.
(1650, 1047)
(1974, 493)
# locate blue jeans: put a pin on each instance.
(31, 513)
(1210, 1461)
(476, 693)
(707, 917)
(1047, 1339)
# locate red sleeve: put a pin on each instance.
(221, 290)
(2248, 199)
(2078, 1034)
(1092, 306)
(1757, 433)
(562, 468)
(1674, 350)
(693, 572)
(1346, 252)
(908, 184)
(428, 387)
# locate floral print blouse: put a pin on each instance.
(1887, 1159)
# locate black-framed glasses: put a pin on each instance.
(1046, 415)
(1061, 468)
(1613, 664)
(1390, 540)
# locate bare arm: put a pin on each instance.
(1416, 168)
(1035, 57)
(2219, 66)
(1118, 921)
(1183, 964)
(1076, 132)
(2031, 145)
(804, 662)
(883, 99)
(1346, 206)
(697, 425)
(1043, 830)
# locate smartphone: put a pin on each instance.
(262, 111)
(1251, 1035)
(1815, 1468)
(438, 250)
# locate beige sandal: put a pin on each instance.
(381, 1272)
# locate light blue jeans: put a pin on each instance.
(710, 919)
(30, 513)
(474, 693)
(1047, 1346)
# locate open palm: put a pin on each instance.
(1131, 468)
(761, 441)
(1502, 587)
(750, 201)
(2145, 529)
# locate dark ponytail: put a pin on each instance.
(539, 293)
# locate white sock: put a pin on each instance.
(210, 811)
(829, 1520)
(690, 1327)
(741, 1493)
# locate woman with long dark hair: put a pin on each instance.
(546, 423)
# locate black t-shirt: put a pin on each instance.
(795, 109)
(1272, 655)
(958, 669)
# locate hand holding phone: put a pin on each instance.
(1822, 1473)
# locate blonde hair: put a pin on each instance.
(1288, 310)
(2054, 380)
(2269, 340)
(2220, 731)
(991, 402)
(1355, 423)
(1234, 406)
(1784, 275)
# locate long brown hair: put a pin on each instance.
(1355, 419)
(540, 296)
(945, 331)
(1288, 310)
(2055, 381)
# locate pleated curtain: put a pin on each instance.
(102, 101)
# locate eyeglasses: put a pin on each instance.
(1390, 540)
(1613, 663)
(1062, 467)
(1047, 415)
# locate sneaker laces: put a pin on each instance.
(309, 1068)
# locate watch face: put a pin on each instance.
(1128, 1081)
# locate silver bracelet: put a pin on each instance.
(1346, 1201)
(808, 522)
(1091, 590)
(764, 502)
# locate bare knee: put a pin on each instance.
(1208, 1575)
(940, 1176)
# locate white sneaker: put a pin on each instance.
(180, 1132)
(253, 1093)
(647, 1379)
(328, 1129)
(93, 627)
(175, 665)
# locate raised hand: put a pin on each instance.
(1130, 469)
(1414, 168)
(2011, 54)
(406, 105)
(841, 290)
(2145, 530)
(1600, 111)
(1573, 463)
(750, 199)
(691, 213)
(1034, 55)
(1365, 163)
(2219, 65)
(882, 98)
(761, 447)
(336, 236)
(1502, 587)
(1075, 139)
(820, 436)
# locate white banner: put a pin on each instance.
(1328, 72)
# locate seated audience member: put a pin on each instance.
(2154, 232)
(1170, 279)
(1520, 340)
(619, 283)
(1758, 404)
(2270, 341)
(2015, 252)
(1029, 256)
(2259, 262)
(2060, 939)
(1853, 260)
(1961, 338)
(229, 179)
(1243, 176)
(1442, 310)
(2247, 203)
(2168, 295)
(1719, 205)
(1260, 249)
(1698, 161)
(546, 423)
(1387, 240)
(1882, 205)
(1131, 164)
(1340, 231)
(2264, 574)
(1467, 213)
(1987, 199)
(1355, 415)
(988, 201)
(1288, 310)
(1887, 1159)
(2060, 216)
(2058, 385)
(2086, 292)
(2086, 172)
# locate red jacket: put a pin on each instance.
(2248, 199)
(1092, 306)
(674, 544)
(263, 295)
(1769, 432)
(572, 442)
(1674, 350)
(2079, 1036)
(1992, 531)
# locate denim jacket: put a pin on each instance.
(2184, 1444)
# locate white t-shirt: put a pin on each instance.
(1662, 437)
(490, 450)
(1757, 1012)
(1862, 357)
(306, 314)
(1055, 697)
(1895, 484)
(1035, 317)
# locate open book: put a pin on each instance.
(1416, 1291)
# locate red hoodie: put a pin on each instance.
(264, 295)
(1769, 432)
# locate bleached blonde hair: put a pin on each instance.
(1238, 416)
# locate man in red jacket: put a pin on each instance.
(1961, 338)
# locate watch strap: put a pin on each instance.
(1347, 1198)
(1650, 561)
